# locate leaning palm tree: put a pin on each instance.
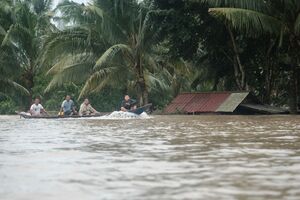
(111, 44)
(256, 17)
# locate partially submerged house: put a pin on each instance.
(219, 102)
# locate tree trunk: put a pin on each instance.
(293, 91)
(216, 82)
(142, 92)
(238, 67)
(145, 96)
(236, 75)
(142, 87)
(28, 79)
(268, 86)
(268, 76)
(293, 82)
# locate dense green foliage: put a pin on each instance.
(150, 49)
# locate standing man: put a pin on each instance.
(87, 109)
(37, 109)
(68, 106)
(128, 104)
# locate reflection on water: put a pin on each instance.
(164, 157)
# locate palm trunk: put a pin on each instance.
(236, 75)
(293, 82)
(268, 76)
(145, 95)
(293, 91)
(268, 86)
(30, 87)
(142, 87)
(142, 92)
(28, 79)
(239, 71)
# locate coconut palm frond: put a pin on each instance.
(67, 61)
(150, 62)
(98, 80)
(258, 5)
(73, 73)
(59, 66)
(110, 54)
(95, 9)
(149, 35)
(65, 43)
(7, 85)
(156, 82)
(71, 12)
(110, 26)
(16, 32)
(249, 21)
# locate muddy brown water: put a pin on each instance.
(165, 157)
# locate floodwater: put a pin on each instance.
(163, 157)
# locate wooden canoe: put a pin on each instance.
(137, 111)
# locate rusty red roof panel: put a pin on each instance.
(178, 104)
(183, 98)
(206, 102)
(175, 108)
(197, 102)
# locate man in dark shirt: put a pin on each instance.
(128, 104)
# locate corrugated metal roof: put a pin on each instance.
(205, 102)
(175, 108)
(232, 102)
(178, 104)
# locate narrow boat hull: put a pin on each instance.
(56, 116)
(137, 111)
(142, 109)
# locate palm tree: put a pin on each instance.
(112, 43)
(276, 17)
(8, 67)
(24, 36)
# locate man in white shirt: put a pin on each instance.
(37, 109)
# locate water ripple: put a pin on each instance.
(161, 157)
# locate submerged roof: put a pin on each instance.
(232, 102)
(206, 102)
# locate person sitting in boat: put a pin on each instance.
(36, 109)
(87, 109)
(68, 106)
(128, 104)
